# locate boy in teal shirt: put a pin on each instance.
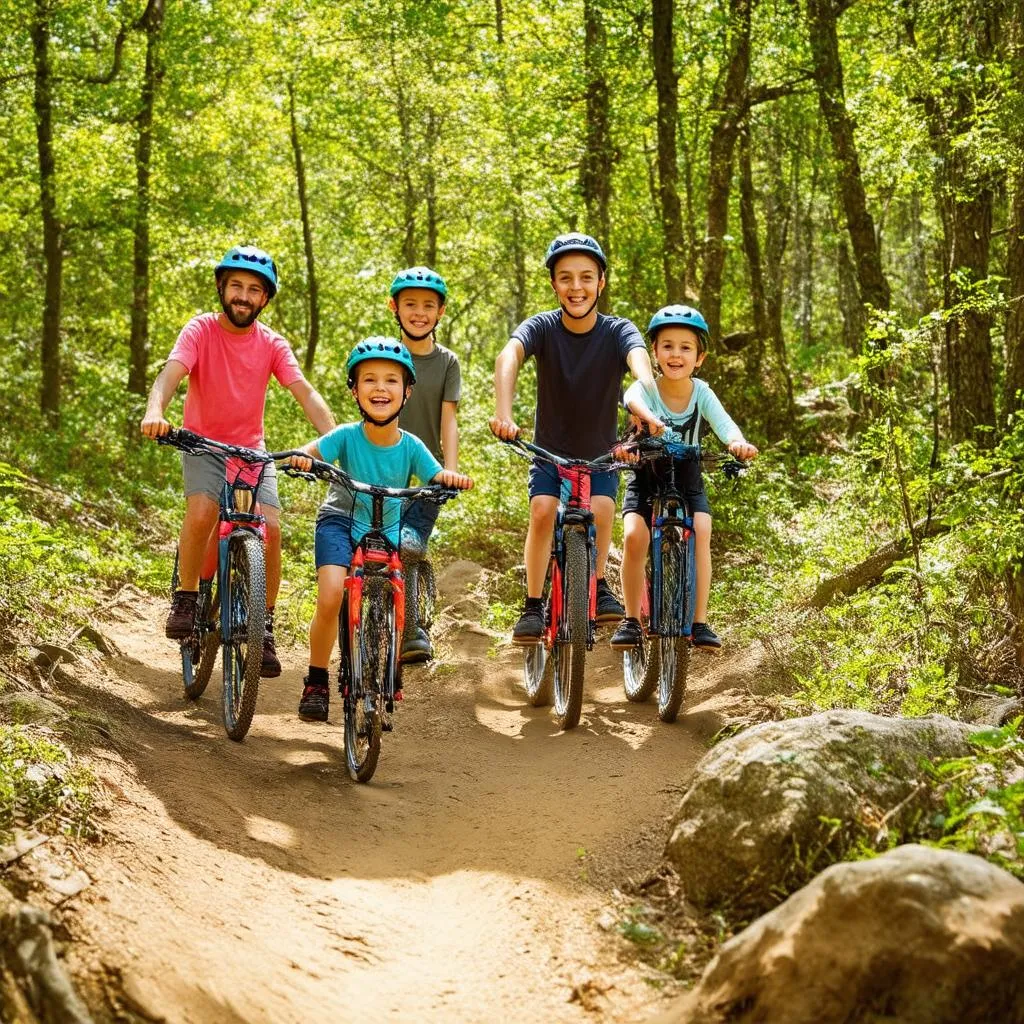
(381, 375)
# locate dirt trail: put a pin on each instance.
(255, 882)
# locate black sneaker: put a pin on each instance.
(704, 636)
(530, 627)
(609, 608)
(271, 667)
(181, 619)
(315, 702)
(417, 648)
(627, 636)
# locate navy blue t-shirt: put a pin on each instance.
(579, 381)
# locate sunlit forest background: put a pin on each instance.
(839, 187)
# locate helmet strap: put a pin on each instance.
(367, 418)
(582, 316)
(413, 337)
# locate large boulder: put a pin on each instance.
(917, 936)
(766, 809)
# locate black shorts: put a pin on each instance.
(641, 485)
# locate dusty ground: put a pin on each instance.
(255, 882)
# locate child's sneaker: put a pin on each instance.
(609, 608)
(530, 627)
(703, 635)
(271, 666)
(181, 619)
(628, 635)
(315, 702)
(417, 647)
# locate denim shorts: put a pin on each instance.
(420, 515)
(638, 499)
(332, 541)
(205, 474)
(544, 479)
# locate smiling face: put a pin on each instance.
(577, 281)
(678, 352)
(242, 296)
(418, 311)
(380, 388)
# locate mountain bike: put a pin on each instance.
(231, 609)
(372, 622)
(553, 669)
(662, 660)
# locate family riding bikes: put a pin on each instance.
(407, 391)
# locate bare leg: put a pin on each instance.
(273, 553)
(604, 516)
(537, 551)
(636, 541)
(702, 532)
(197, 528)
(323, 630)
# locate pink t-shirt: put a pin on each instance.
(228, 376)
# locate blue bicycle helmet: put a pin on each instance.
(419, 277)
(679, 316)
(379, 347)
(574, 243)
(256, 261)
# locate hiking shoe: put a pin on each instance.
(530, 627)
(609, 609)
(271, 667)
(627, 636)
(704, 636)
(416, 648)
(181, 620)
(315, 702)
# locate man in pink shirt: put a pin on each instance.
(229, 358)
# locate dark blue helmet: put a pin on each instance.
(574, 243)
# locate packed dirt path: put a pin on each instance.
(255, 882)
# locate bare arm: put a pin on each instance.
(160, 395)
(506, 370)
(313, 405)
(450, 436)
(303, 463)
(639, 363)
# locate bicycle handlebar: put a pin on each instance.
(602, 464)
(191, 443)
(327, 471)
(651, 449)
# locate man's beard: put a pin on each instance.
(239, 319)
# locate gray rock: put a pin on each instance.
(27, 707)
(917, 936)
(769, 807)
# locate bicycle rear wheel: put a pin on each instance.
(674, 651)
(199, 651)
(569, 652)
(641, 665)
(372, 653)
(245, 590)
(537, 664)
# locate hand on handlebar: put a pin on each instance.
(154, 426)
(504, 429)
(303, 463)
(450, 478)
(649, 425)
(743, 450)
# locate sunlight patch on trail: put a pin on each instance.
(274, 833)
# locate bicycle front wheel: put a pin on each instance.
(537, 665)
(372, 654)
(199, 651)
(674, 651)
(570, 648)
(245, 591)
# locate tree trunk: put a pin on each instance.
(850, 305)
(152, 21)
(1014, 392)
(598, 157)
(730, 102)
(752, 250)
(430, 187)
(53, 250)
(828, 74)
(667, 84)
(312, 287)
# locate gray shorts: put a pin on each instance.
(204, 474)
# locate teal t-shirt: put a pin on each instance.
(347, 446)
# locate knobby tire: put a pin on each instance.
(245, 590)
(673, 651)
(570, 649)
(537, 665)
(372, 657)
(640, 666)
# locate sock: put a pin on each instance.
(318, 676)
(534, 602)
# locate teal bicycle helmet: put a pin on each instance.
(419, 277)
(679, 316)
(256, 261)
(379, 347)
(564, 244)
